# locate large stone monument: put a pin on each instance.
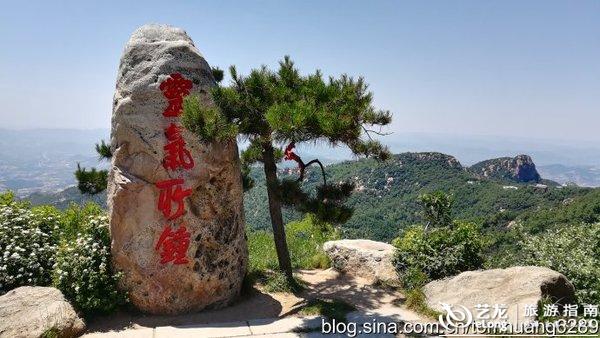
(175, 203)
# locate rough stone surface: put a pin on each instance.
(29, 311)
(515, 287)
(519, 168)
(363, 258)
(217, 252)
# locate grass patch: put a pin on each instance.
(271, 281)
(305, 242)
(416, 301)
(277, 282)
(331, 309)
(51, 333)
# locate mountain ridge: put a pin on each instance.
(385, 199)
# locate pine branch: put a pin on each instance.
(103, 150)
(91, 182)
(217, 73)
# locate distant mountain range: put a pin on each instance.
(493, 192)
(385, 201)
(43, 160)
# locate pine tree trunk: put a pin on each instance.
(283, 254)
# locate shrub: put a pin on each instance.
(74, 219)
(83, 270)
(440, 252)
(416, 301)
(573, 251)
(413, 278)
(436, 208)
(27, 245)
(7, 197)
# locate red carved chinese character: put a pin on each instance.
(174, 245)
(175, 88)
(171, 192)
(176, 155)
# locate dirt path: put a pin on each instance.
(370, 302)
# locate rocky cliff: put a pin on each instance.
(519, 168)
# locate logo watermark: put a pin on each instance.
(484, 320)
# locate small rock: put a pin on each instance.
(30, 311)
(514, 287)
(364, 258)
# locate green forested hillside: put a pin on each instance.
(385, 199)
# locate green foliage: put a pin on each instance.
(94, 181)
(7, 197)
(572, 210)
(103, 150)
(563, 237)
(284, 107)
(91, 182)
(247, 180)
(438, 253)
(74, 219)
(327, 205)
(206, 121)
(437, 209)
(276, 281)
(83, 269)
(572, 250)
(27, 246)
(71, 249)
(52, 332)
(217, 73)
(330, 309)
(385, 199)
(413, 278)
(305, 240)
(416, 301)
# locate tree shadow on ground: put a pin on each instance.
(361, 293)
(256, 308)
(252, 305)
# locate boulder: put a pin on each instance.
(515, 287)
(364, 258)
(175, 202)
(30, 311)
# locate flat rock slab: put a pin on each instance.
(364, 258)
(515, 287)
(30, 311)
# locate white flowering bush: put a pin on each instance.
(83, 271)
(573, 251)
(27, 245)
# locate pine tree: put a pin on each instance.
(274, 111)
(94, 181)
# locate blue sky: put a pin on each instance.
(508, 68)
